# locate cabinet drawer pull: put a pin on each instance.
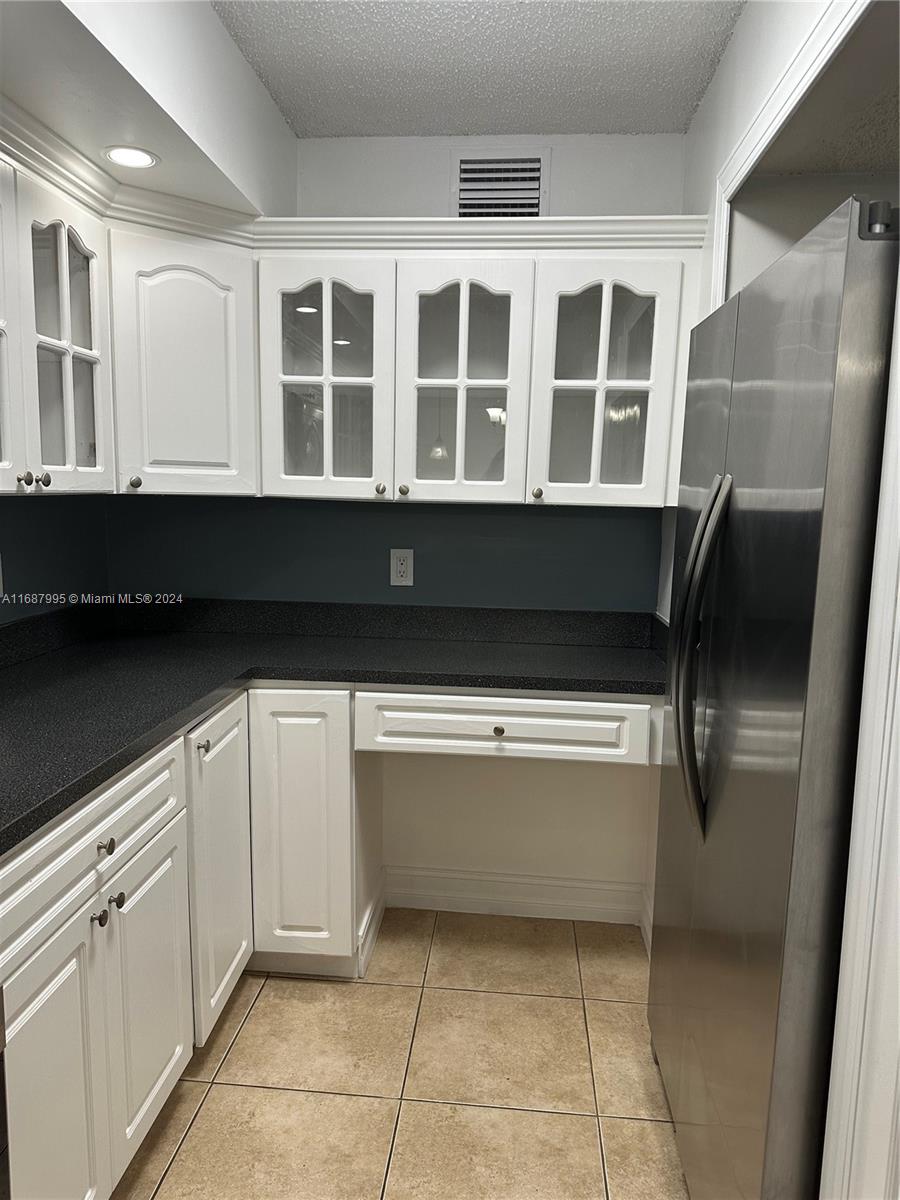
(403, 489)
(102, 918)
(25, 477)
(205, 746)
(117, 901)
(107, 847)
(380, 489)
(499, 731)
(44, 479)
(135, 482)
(537, 492)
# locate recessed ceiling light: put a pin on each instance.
(341, 342)
(131, 156)
(306, 308)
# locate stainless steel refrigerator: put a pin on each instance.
(777, 506)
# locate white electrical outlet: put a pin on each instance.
(402, 568)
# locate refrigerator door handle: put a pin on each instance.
(677, 632)
(689, 631)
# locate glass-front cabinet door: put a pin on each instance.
(463, 359)
(327, 375)
(604, 377)
(65, 352)
(12, 413)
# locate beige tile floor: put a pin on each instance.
(482, 1058)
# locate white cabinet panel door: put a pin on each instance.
(463, 359)
(219, 829)
(301, 791)
(64, 314)
(183, 318)
(12, 405)
(56, 1066)
(603, 384)
(150, 1026)
(326, 329)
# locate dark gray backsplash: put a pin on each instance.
(521, 557)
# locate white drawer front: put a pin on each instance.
(514, 728)
(45, 883)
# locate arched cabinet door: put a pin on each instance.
(326, 331)
(183, 319)
(463, 357)
(603, 385)
(63, 313)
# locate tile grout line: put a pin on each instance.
(208, 1089)
(390, 1153)
(587, 1034)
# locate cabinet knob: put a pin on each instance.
(102, 918)
(118, 900)
(25, 477)
(107, 847)
(135, 482)
(380, 489)
(204, 746)
(537, 492)
(499, 731)
(403, 489)
(44, 480)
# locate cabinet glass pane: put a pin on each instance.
(352, 331)
(572, 435)
(4, 393)
(439, 334)
(51, 407)
(85, 430)
(80, 293)
(304, 445)
(624, 434)
(301, 331)
(45, 260)
(352, 431)
(578, 334)
(630, 334)
(436, 433)
(488, 356)
(485, 434)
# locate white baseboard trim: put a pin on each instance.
(514, 895)
(369, 927)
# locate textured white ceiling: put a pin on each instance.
(343, 68)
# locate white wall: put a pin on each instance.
(183, 58)
(527, 836)
(771, 212)
(590, 175)
(766, 38)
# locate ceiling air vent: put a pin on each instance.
(500, 187)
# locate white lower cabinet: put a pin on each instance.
(150, 1021)
(99, 1028)
(56, 1073)
(301, 813)
(219, 837)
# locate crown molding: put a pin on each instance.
(435, 233)
(38, 150)
(33, 147)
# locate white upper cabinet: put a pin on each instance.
(64, 318)
(463, 353)
(12, 410)
(183, 320)
(606, 341)
(327, 377)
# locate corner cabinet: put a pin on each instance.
(183, 322)
(63, 313)
(463, 352)
(302, 820)
(604, 378)
(327, 377)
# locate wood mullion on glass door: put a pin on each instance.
(601, 382)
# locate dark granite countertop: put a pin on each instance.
(72, 718)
